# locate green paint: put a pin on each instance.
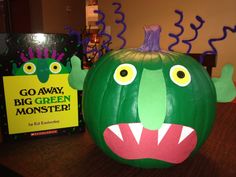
(107, 103)
(152, 99)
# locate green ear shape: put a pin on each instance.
(225, 89)
(77, 75)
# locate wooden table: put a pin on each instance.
(77, 156)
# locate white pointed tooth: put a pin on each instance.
(184, 133)
(162, 131)
(116, 130)
(137, 130)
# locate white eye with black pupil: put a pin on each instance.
(125, 74)
(180, 75)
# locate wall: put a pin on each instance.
(91, 17)
(36, 17)
(66, 13)
(216, 13)
(20, 16)
(2, 17)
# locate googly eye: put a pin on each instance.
(125, 74)
(180, 75)
(55, 67)
(29, 68)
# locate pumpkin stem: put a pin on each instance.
(152, 39)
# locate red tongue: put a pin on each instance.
(169, 149)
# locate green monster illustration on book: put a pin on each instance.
(42, 67)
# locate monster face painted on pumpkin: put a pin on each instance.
(147, 107)
(41, 67)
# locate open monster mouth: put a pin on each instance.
(172, 143)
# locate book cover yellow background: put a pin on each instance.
(34, 106)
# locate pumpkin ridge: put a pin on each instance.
(96, 69)
(121, 105)
(121, 100)
(91, 75)
(206, 86)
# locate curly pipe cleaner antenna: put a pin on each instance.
(102, 31)
(195, 28)
(86, 43)
(211, 41)
(176, 36)
(81, 41)
(121, 21)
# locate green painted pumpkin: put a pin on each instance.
(147, 107)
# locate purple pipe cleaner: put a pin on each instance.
(176, 36)
(211, 41)
(188, 42)
(74, 32)
(86, 42)
(121, 21)
(102, 31)
(81, 41)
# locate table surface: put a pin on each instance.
(77, 156)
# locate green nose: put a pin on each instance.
(152, 99)
(43, 71)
